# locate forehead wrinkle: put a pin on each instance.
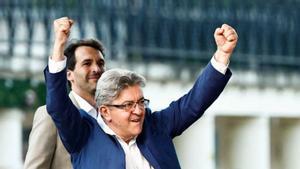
(142, 97)
(130, 93)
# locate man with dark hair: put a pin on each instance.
(85, 64)
(69, 52)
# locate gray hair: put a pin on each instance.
(113, 81)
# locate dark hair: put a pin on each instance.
(69, 51)
(74, 44)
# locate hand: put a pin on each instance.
(62, 30)
(226, 40)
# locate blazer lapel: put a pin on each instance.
(146, 153)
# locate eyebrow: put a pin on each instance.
(90, 60)
(126, 101)
(86, 60)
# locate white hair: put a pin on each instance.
(113, 81)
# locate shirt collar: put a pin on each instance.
(105, 127)
(84, 105)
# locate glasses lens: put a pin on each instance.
(132, 105)
(146, 102)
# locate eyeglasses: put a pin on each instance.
(129, 106)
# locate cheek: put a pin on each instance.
(102, 69)
(121, 119)
(81, 70)
(82, 76)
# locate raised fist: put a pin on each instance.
(62, 29)
(226, 39)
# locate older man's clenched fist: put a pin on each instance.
(226, 39)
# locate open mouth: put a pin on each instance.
(136, 120)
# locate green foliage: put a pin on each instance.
(23, 94)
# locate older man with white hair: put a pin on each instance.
(127, 134)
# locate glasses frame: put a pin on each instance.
(129, 106)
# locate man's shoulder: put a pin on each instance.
(41, 113)
(41, 109)
(45, 147)
(42, 119)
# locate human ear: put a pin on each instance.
(105, 113)
(69, 75)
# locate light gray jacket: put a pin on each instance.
(45, 149)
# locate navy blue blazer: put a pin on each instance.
(91, 148)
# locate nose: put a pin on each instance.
(137, 109)
(96, 68)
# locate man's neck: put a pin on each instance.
(87, 97)
(125, 139)
(90, 100)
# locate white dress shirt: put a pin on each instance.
(134, 158)
(84, 105)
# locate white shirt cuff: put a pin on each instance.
(56, 66)
(220, 67)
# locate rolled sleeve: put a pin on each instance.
(220, 67)
(55, 67)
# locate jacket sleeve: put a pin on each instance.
(42, 141)
(190, 107)
(73, 129)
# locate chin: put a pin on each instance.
(93, 81)
(137, 131)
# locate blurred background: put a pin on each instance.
(255, 123)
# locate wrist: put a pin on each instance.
(222, 57)
(58, 51)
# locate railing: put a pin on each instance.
(269, 34)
